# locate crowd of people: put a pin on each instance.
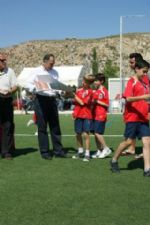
(91, 102)
(64, 102)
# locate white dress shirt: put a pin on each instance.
(8, 81)
(34, 76)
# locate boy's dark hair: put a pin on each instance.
(137, 56)
(146, 63)
(100, 77)
(89, 78)
(47, 57)
(142, 64)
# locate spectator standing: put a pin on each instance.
(7, 88)
(45, 106)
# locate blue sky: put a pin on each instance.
(25, 20)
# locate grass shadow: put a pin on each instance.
(69, 150)
(135, 164)
(23, 151)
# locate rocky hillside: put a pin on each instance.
(78, 51)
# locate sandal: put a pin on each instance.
(127, 153)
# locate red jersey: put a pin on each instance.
(145, 79)
(136, 111)
(83, 111)
(100, 111)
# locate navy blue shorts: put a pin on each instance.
(136, 129)
(82, 125)
(98, 126)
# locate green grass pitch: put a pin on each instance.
(34, 191)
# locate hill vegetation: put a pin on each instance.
(79, 51)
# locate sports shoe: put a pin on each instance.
(106, 152)
(147, 173)
(78, 155)
(97, 154)
(86, 158)
(36, 133)
(114, 167)
(7, 156)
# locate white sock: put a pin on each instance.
(146, 169)
(80, 150)
(87, 152)
(114, 160)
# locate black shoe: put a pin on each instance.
(47, 157)
(114, 167)
(147, 173)
(7, 156)
(60, 154)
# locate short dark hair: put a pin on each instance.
(141, 64)
(136, 55)
(146, 63)
(100, 77)
(47, 57)
(89, 78)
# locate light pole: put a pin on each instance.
(121, 43)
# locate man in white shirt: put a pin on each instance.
(7, 88)
(45, 106)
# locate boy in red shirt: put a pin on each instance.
(100, 107)
(136, 117)
(83, 116)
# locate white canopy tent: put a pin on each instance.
(23, 77)
(68, 75)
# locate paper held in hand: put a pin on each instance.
(47, 83)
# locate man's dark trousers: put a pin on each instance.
(47, 114)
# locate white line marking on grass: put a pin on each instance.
(67, 135)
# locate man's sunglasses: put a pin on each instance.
(3, 60)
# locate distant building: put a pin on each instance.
(115, 87)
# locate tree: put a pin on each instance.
(94, 62)
(110, 70)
